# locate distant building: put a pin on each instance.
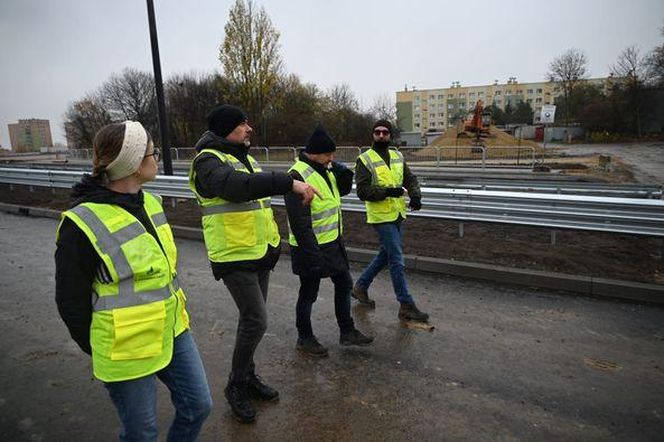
(433, 110)
(30, 135)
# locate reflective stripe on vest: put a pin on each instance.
(110, 244)
(325, 213)
(382, 175)
(235, 231)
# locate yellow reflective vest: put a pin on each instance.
(390, 208)
(325, 213)
(137, 315)
(235, 231)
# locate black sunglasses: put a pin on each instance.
(381, 132)
(156, 154)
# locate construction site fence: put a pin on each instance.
(435, 156)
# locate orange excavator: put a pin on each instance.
(477, 124)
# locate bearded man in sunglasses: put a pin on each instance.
(382, 178)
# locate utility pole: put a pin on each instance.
(156, 66)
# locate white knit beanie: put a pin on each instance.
(131, 155)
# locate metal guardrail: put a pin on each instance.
(619, 215)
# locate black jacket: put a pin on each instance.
(309, 258)
(217, 179)
(366, 191)
(77, 261)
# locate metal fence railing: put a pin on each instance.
(434, 156)
(608, 214)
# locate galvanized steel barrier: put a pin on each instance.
(619, 215)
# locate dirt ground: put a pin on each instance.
(596, 254)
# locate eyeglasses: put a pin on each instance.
(381, 132)
(156, 154)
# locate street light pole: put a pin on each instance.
(156, 66)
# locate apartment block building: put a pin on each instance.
(30, 135)
(433, 110)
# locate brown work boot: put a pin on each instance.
(410, 312)
(362, 296)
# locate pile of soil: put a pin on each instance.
(584, 253)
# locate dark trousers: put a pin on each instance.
(249, 291)
(343, 283)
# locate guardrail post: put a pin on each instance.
(294, 153)
(267, 154)
(437, 156)
(461, 230)
(483, 157)
(177, 156)
(553, 237)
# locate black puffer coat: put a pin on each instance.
(309, 258)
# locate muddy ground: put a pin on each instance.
(595, 254)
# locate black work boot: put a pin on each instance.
(410, 312)
(362, 296)
(355, 337)
(312, 347)
(238, 397)
(260, 390)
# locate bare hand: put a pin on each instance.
(306, 191)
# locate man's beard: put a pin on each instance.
(381, 144)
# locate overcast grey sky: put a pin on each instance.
(54, 52)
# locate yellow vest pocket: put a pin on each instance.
(139, 331)
(240, 229)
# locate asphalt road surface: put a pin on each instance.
(503, 363)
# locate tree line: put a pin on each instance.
(282, 109)
(630, 103)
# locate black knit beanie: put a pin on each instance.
(320, 141)
(383, 123)
(223, 119)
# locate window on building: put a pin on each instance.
(462, 96)
(441, 96)
(450, 96)
(480, 94)
(462, 105)
(497, 93)
(538, 100)
(530, 91)
(529, 100)
(450, 106)
(417, 98)
(417, 116)
(539, 91)
(508, 92)
(417, 124)
(519, 92)
(432, 115)
(417, 107)
(471, 94)
(432, 97)
(441, 114)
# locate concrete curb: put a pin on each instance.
(610, 288)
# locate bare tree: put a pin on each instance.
(383, 107)
(655, 63)
(567, 70)
(131, 95)
(189, 99)
(630, 72)
(250, 57)
(83, 119)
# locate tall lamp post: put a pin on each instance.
(156, 66)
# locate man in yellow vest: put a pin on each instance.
(381, 175)
(317, 248)
(241, 237)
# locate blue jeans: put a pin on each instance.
(390, 254)
(136, 399)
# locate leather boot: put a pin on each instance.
(238, 397)
(260, 390)
(410, 312)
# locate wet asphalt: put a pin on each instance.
(503, 363)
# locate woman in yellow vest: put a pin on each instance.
(117, 289)
(317, 248)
